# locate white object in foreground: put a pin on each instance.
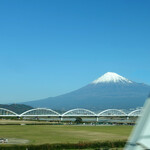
(3, 140)
(140, 136)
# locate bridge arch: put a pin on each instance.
(79, 112)
(136, 112)
(6, 112)
(112, 112)
(40, 112)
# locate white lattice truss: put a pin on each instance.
(81, 112)
(6, 112)
(135, 113)
(40, 112)
(112, 112)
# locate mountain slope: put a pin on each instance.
(109, 91)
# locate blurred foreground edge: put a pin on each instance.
(140, 136)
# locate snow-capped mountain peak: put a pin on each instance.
(111, 77)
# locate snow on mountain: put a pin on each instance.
(111, 77)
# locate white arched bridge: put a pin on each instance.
(78, 112)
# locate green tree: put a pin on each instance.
(78, 120)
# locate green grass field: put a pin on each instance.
(41, 134)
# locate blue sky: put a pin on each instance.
(48, 48)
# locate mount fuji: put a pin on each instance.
(108, 91)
